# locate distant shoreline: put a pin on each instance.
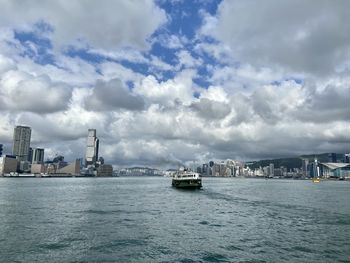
(158, 176)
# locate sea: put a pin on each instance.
(144, 219)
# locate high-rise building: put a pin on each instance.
(271, 170)
(1, 149)
(8, 164)
(222, 168)
(216, 169)
(38, 155)
(92, 143)
(21, 142)
(30, 155)
(305, 163)
(332, 157)
(347, 158)
(316, 169)
(205, 169)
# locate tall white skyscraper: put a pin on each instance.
(21, 142)
(91, 156)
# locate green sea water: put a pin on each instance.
(146, 220)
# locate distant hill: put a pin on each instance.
(293, 162)
(323, 157)
(289, 163)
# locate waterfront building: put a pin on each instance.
(305, 164)
(228, 171)
(259, 172)
(347, 158)
(315, 169)
(37, 168)
(211, 168)
(88, 171)
(284, 170)
(216, 169)
(24, 167)
(278, 172)
(1, 149)
(50, 168)
(60, 168)
(335, 170)
(30, 155)
(21, 142)
(205, 169)
(92, 144)
(232, 167)
(266, 170)
(311, 170)
(140, 171)
(38, 155)
(271, 170)
(70, 169)
(8, 164)
(222, 169)
(105, 170)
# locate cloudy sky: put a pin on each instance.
(167, 82)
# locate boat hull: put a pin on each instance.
(187, 184)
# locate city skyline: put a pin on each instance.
(172, 82)
(23, 151)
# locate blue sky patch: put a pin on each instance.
(36, 47)
(185, 18)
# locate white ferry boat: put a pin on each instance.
(187, 179)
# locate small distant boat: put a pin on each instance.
(316, 180)
(187, 179)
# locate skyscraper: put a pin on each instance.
(38, 155)
(304, 166)
(21, 142)
(332, 157)
(30, 155)
(271, 170)
(347, 158)
(91, 148)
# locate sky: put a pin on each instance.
(171, 82)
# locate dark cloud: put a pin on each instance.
(265, 104)
(210, 109)
(326, 105)
(21, 91)
(242, 108)
(112, 95)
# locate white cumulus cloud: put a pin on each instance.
(101, 24)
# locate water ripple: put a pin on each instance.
(145, 220)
